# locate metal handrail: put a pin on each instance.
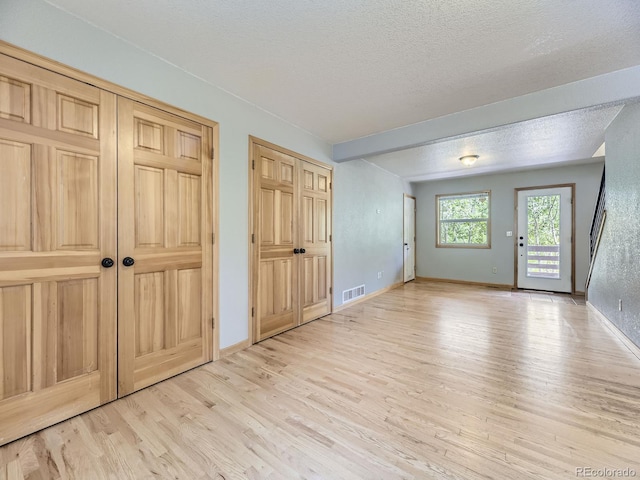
(598, 216)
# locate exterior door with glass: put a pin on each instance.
(544, 238)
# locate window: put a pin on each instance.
(463, 220)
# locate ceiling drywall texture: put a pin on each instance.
(557, 139)
(343, 69)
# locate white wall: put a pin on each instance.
(616, 269)
(476, 264)
(366, 242)
(41, 28)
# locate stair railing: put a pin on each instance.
(597, 225)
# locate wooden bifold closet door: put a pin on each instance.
(292, 241)
(165, 302)
(57, 223)
(106, 246)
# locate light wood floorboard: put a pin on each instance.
(425, 381)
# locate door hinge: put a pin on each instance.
(253, 164)
(213, 153)
(330, 290)
(330, 185)
(213, 322)
(213, 238)
(253, 311)
(330, 237)
(253, 238)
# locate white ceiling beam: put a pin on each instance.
(608, 88)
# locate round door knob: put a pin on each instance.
(296, 251)
(128, 261)
(302, 250)
(107, 262)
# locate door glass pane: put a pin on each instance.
(543, 236)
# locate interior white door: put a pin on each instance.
(409, 238)
(545, 218)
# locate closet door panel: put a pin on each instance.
(277, 275)
(315, 193)
(15, 320)
(15, 196)
(292, 225)
(165, 226)
(57, 221)
(276, 302)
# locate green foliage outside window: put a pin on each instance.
(543, 216)
(463, 220)
(543, 236)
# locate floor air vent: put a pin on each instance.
(352, 294)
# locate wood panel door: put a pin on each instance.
(315, 237)
(165, 232)
(276, 226)
(57, 223)
(291, 268)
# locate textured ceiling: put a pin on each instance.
(343, 69)
(556, 139)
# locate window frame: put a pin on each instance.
(487, 245)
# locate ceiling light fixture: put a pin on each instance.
(469, 160)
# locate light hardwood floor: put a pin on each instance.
(426, 381)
